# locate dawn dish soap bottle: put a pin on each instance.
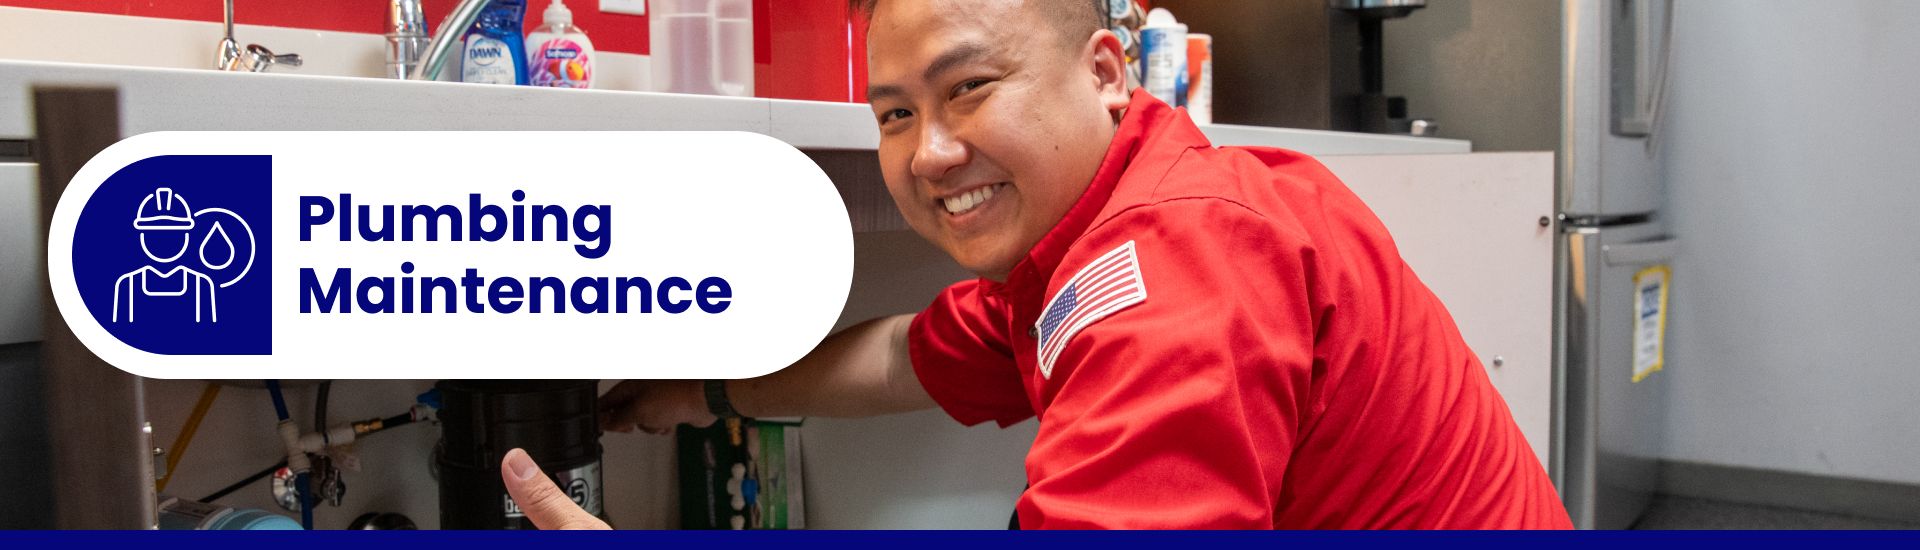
(494, 52)
(559, 54)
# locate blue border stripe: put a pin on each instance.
(969, 540)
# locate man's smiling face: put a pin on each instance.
(993, 120)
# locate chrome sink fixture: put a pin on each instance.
(255, 58)
(451, 29)
(407, 37)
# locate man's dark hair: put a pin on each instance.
(1075, 19)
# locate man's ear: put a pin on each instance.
(1108, 62)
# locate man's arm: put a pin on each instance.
(861, 371)
(1180, 411)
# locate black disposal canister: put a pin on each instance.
(480, 420)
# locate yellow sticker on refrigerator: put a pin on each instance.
(1650, 320)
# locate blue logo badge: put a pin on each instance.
(173, 255)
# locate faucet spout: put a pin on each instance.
(442, 43)
(229, 52)
(254, 58)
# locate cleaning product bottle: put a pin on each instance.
(494, 52)
(559, 54)
(1163, 57)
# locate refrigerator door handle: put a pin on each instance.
(1640, 253)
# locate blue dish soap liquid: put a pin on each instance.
(494, 52)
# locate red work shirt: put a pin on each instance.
(1228, 338)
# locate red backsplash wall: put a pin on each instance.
(803, 49)
(612, 32)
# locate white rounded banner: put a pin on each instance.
(221, 255)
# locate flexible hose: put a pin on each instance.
(279, 401)
(242, 484)
(388, 423)
(306, 500)
(320, 411)
(181, 441)
(401, 419)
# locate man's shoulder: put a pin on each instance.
(1196, 238)
(1268, 185)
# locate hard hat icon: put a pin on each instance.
(163, 211)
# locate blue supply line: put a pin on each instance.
(306, 501)
(279, 401)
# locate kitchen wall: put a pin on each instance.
(1791, 170)
(1487, 70)
(618, 32)
(803, 49)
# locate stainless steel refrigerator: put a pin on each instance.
(1614, 247)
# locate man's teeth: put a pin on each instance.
(966, 201)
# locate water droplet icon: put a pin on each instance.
(224, 249)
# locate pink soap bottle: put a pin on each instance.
(559, 55)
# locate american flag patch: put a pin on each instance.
(1108, 284)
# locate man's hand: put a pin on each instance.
(543, 502)
(654, 406)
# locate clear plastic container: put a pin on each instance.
(702, 46)
(733, 52)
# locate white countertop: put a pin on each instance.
(186, 99)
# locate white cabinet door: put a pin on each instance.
(1470, 227)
